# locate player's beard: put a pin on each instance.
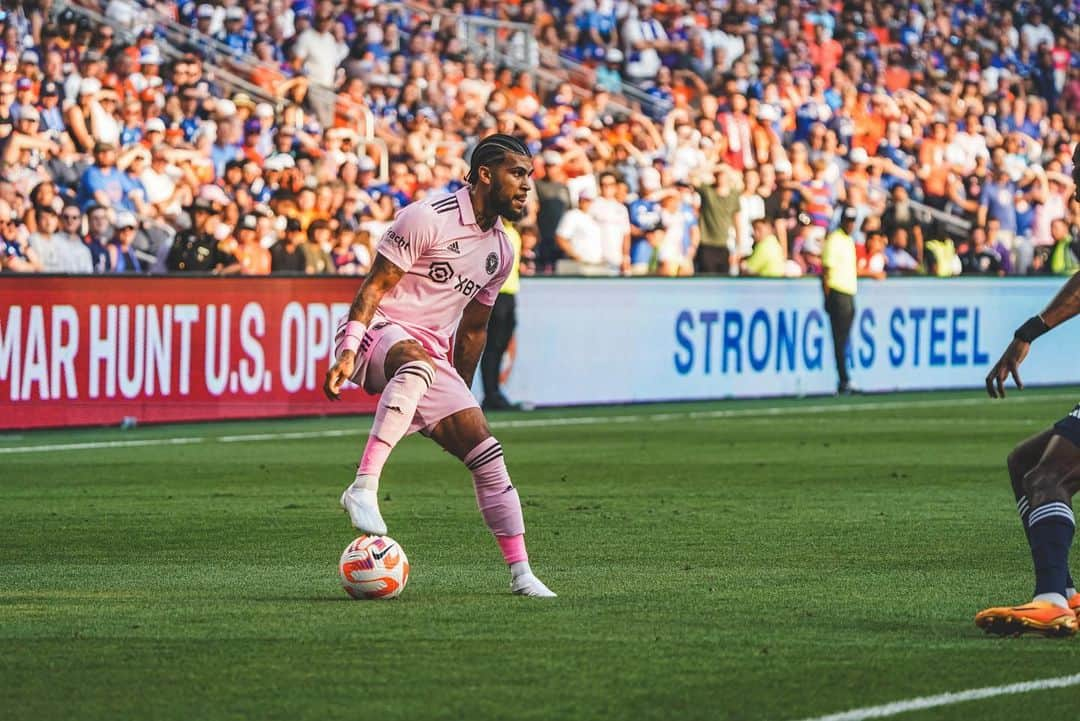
(504, 206)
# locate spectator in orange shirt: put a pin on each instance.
(869, 122)
(349, 110)
(896, 76)
(306, 205)
(523, 95)
(872, 261)
(266, 75)
(825, 52)
(933, 167)
(254, 259)
(767, 145)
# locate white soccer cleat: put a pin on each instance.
(362, 505)
(529, 585)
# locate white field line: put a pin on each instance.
(93, 445)
(822, 408)
(948, 699)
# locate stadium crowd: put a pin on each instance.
(669, 137)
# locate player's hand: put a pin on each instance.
(1007, 365)
(340, 372)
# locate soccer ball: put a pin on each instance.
(374, 567)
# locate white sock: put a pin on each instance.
(1055, 598)
(366, 482)
(1070, 592)
(519, 569)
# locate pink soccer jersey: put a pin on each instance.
(448, 261)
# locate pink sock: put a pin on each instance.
(513, 548)
(375, 456)
(395, 412)
(495, 493)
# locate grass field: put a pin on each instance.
(740, 560)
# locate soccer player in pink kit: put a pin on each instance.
(415, 333)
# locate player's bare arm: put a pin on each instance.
(470, 340)
(383, 276)
(1064, 306)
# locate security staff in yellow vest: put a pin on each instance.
(501, 329)
(838, 280)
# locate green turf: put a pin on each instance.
(762, 565)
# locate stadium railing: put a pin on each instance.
(223, 75)
(515, 46)
(952, 224)
(236, 83)
(649, 104)
(179, 34)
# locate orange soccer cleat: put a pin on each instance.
(1074, 602)
(1043, 617)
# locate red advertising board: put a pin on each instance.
(96, 350)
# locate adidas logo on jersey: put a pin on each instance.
(454, 247)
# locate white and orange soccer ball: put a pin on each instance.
(374, 567)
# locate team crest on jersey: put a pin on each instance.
(441, 271)
(492, 263)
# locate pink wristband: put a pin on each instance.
(348, 337)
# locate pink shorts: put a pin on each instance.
(448, 394)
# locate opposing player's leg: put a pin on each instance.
(1023, 458)
(403, 371)
(466, 435)
(1048, 486)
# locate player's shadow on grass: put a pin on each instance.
(413, 598)
(298, 599)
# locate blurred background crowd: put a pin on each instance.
(672, 138)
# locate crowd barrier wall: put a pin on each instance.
(630, 340)
(99, 350)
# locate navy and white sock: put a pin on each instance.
(1050, 533)
(1024, 508)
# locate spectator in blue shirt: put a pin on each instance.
(131, 131)
(998, 202)
(224, 150)
(823, 17)
(645, 222)
(235, 35)
(189, 106)
(103, 183)
(133, 163)
(52, 115)
(98, 237)
(897, 257)
(608, 76)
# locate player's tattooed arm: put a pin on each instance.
(383, 276)
(1065, 304)
(471, 337)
